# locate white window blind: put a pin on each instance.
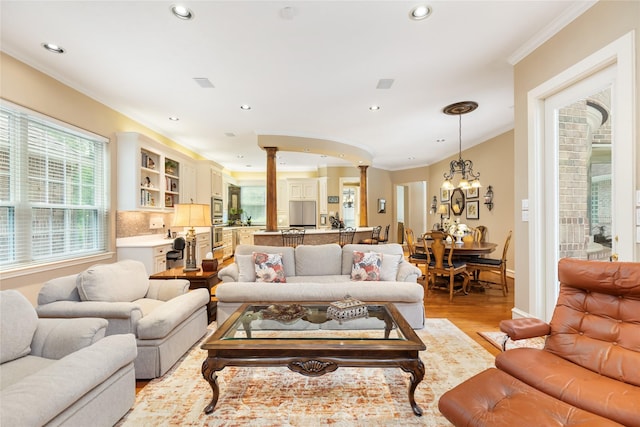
(53, 190)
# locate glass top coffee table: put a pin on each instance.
(308, 340)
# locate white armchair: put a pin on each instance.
(164, 316)
(61, 371)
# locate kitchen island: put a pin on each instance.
(319, 236)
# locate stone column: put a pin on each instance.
(272, 196)
(363, 196)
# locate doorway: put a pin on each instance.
(581, 166)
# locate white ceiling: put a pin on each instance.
(314, 75)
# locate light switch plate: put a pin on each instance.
(525, 204)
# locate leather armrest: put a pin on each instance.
(518, 329)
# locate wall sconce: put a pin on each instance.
(434, 205)
(488, 198)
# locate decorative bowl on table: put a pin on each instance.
(284, 313)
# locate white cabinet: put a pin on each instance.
(322, 196)
(203, 246)
(216, 182)
(245, 235)
(227, 243)
(153, 255)
(208, 182)
(282, 200)
(149, 175)
(304, 189)
(188, 190)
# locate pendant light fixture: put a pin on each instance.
(468, 179)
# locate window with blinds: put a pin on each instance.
(53, 190)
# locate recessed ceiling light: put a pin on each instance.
(245, 107)
(420, 12)
(374, 108)
(53, 47)
(323, 155)
(174, 118)
(240, 156)
(411, 158)
(440, 140)
(181, 12)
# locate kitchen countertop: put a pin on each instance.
(152, 240)
(313, 231)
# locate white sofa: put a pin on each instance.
(56, 372)
(322, 273)
(166, 318)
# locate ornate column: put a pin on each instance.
(363, 196)
(272, 196)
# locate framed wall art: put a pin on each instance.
(473, 211)
(333, 199)
(444, 195)
(472, 193)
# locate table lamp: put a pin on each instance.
(191, 215)
(442, 210)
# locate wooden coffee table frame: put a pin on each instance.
(314, 357)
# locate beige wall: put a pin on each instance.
(602, 24)
(494, 160)
(32, 89)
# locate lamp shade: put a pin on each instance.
(443, 209)
(192, 215)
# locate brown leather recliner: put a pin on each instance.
(589, 370)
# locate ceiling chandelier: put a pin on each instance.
(468, 179)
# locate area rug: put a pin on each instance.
(280, 397)
(497, 338)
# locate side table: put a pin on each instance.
(197, 279)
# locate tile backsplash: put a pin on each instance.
(135, 223)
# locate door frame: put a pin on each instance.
(621, 53)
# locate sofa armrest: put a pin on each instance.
(408, 272)
(518, 329)
(229, 273)
(106, 310)
(56, 338)
(164, 290)
(162, 320)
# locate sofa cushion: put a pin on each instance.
(366, 266)
(389, 267)
(572, 383)
(347, 253)
(316, 260)
(246, 268)
(15, 370)
(269, 268)
(288, 255)
(123, 281)
(18, 323)
(59, 289)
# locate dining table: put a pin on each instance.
(463, 249)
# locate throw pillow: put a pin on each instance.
(246, 269)
(389, 267)
(269, 268)
(366, 266)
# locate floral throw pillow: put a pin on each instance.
(269, 268)
(366, 266)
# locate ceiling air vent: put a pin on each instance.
(203, 82)
(384, 83)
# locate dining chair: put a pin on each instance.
(384, 238)
(415, 257)
(345, 236)
(480, 234)
(439, 263)
(293, 237)
(493, 265)
(375, 235)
